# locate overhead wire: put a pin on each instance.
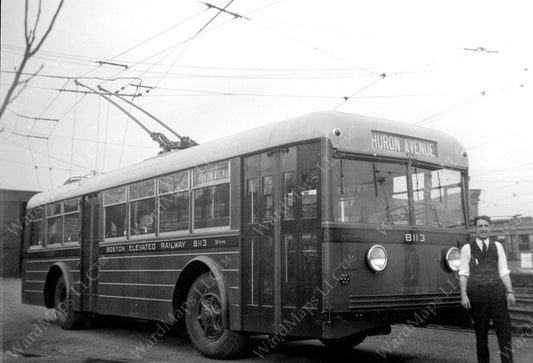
(97, 134)
(267, 95)
(171, 49)
(44, 154)
(189, 43)
(463, 104)
(92, 69)
(347, 98)
(73, 127)
(314, 47)
(133, 98)
(105, 136)
(450, 110)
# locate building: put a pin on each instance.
(516, 235)
(12, 223)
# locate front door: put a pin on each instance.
(281, 259)
(260, 227)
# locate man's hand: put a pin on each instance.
(465, 301)
(511, 299)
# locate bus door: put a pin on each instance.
(280, 239)
(300, 231)
(89, 253)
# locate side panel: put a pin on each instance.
(36, 266)
(137, 279)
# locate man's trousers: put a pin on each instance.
(489, 302)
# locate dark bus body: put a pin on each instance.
(329, 225)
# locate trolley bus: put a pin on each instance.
(329, 225)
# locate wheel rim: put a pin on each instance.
(60, 301)
(209, 316)
(62, 295)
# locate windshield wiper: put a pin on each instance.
(440, 187)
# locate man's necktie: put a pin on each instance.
(484, 247)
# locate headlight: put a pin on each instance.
(376, 258)
(452, 259)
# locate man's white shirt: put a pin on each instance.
(464, 265)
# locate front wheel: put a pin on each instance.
(344, 343)
(204, 320)
(66, 317)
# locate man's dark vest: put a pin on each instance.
(484, 266)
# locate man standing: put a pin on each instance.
(486, 289)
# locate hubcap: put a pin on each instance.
(209, 316)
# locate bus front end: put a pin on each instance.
(395, 218)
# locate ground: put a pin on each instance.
(28, 335)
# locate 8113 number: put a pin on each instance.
(415, 237)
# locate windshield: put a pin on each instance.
(378, 193)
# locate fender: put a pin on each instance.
(222, 283)
(65, 271)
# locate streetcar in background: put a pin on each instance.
(329, 225)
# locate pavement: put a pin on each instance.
(29, 334)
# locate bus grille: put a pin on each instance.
(399, 302)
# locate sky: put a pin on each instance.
(461, 67)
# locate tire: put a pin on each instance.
(344, 343)
(204, 321)
(66, 317)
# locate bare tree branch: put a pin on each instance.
(26, 34)
(36, 23)
(47, 30)
(30, 36)
(23, 84)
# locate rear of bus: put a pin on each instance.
(395, 214)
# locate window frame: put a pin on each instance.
(46, 216)
(129, 204)
(32, 220)
(58, 215)
(186, 189)
(197, 186)
(65, 214)
(410, 165)
(112, 204)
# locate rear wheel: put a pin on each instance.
(66, 318)
(204, 320)
(344, 343)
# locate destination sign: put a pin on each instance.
(211, 174)
(172, 245)
(404, 144)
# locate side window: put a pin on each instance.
(36, 224)
(54, 224)
(309, 193)
(173, 202)
(142, 207)
(251, 196)
(252, 186)
(71, 220)
(211, 196)
(115, 212)
(309, 179)
(289, 194)
(268, 198)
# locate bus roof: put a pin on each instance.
(346, 132)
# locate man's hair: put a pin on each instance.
(485, 218)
